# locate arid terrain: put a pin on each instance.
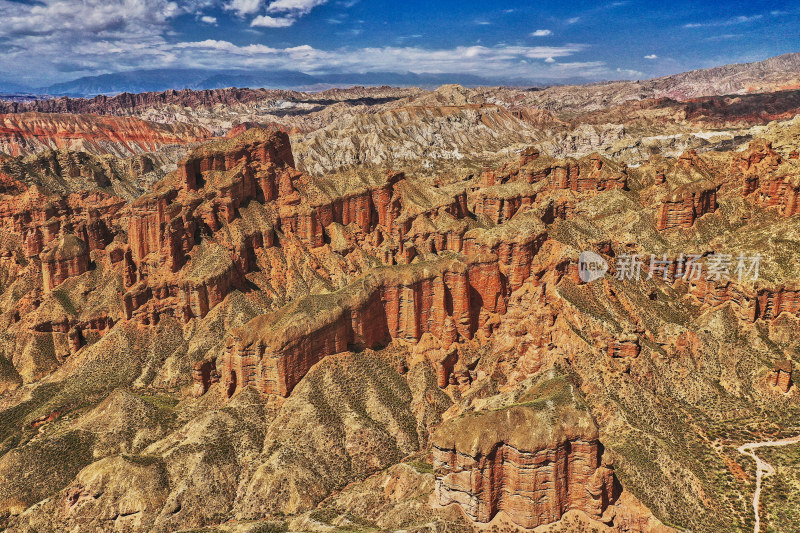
(367, 309)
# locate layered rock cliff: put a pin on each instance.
(28, 133)
(691, 192)
(66, 257)
(533, 462)
(781, 376)
(767, 178)
(449, 299)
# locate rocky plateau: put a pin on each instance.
(366, 309)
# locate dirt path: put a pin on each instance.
(763, 468)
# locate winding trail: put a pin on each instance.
(763, 468)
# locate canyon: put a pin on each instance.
(362, 308)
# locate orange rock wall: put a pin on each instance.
(56, 271)
(450, 305)
(683, 209)
(533, 487)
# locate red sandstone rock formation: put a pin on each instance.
(781, 376)
(515, 244)
(685, 205)
(592, 173)
(450, 299)
(513, 188)
(762, 302)
(40, 217)
(499, 204)
(27, 133)
(67, 257)
(757, 162)
(624, 346)
(783, 193)
(521, 461)
(683, 192)
(768, 179)
(771, 302)
(204, 374)
(219, 190)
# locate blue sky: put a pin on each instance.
(48, 41)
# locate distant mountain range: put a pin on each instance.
(138, 81)
(776, 72)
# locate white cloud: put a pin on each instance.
(651, 56)
(209, 20)
(728, 22)
(288, 10)
(59, 40)
(225, 46)
(265, 21)
(500, 62)
(89, 16)
(245, 7)
(723, 37)
(541, 33)
(572, 20)
(503, 61)
(296, 7)
(629, 73)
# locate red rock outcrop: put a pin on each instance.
(243, 191)
(781, 192)
(536, 179)
(499, 204)
(450, 299)
(771, 302)
(66, 258)
(683, 193)
(40, 217)
(515, 244)
(163, 269)
(520, 461)
(592, 173)
(686, 205)
(759, 161)
(767, 178)
(762, 302)
(781, 376)
(624, 346)
(27, 133)
(70, 334)
(225, 156)
(204, 374)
